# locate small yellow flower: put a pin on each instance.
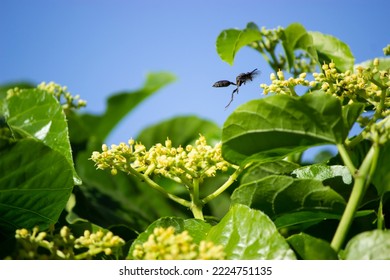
(165, 244)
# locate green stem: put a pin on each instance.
(357, 139)
(90, 252)
(197, 204)
(378, 84)
(292, 90)
(346, 158)
(157, 187)
(362, 180)
(222, 188)
(381, 218)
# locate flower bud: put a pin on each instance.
(280, 75)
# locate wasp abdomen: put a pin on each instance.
(223, 83)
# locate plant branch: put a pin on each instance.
(197, 204)
(157, 187)
(362, 180)
(222, 188)
(346, 158)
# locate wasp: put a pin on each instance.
(241, 79)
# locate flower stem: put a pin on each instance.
(157, 187)
(346, 158)
(222, 188)
(381, 218)
(362, 180)
(197, 204)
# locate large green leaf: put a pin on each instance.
(384, 63)
(35, 184)
(273, 127)
(231, 40)
(249, 234)
(338, 177)
(119, 105)
(297, 38)
(323, 172)
(276, 195)
(197, 229)
(330, 49)
(311, 248)
(181, 130)
(312, 217)
(263, 169)
(369, 245)
(38, 114)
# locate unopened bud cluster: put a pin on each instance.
(165, 244)
(379, 132)
(64, 97)
(64, 245)
(367, 85)
(281, 85)
(181, 163)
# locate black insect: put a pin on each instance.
(241, 79)
(223, 83)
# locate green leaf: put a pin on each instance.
(274, 127)
(249, 234)
(322, 172)
(119, 105)
(231, 40)
(304, 217)
(35, 185)
(276, 195)
(263, 169)
(312, 217)
(384, 63)
(197, 229)
(297, 38)
(369, 245)
(338, 177)
(330, 49)
(38, 114)
(20, 85)
(311, 248)
(180, 130)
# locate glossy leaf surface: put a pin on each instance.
(274, 127)
(249, 234)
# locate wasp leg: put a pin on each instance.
(231, 99)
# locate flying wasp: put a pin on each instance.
(241, 79)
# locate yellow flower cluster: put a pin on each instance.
(64, 245)
(164, 244)
(282, 86)
(61, 92)
(179, 164)
(379, 132)
(98, 242)
(364, 85)
(354, 86)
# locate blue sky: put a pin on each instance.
(97, 48)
